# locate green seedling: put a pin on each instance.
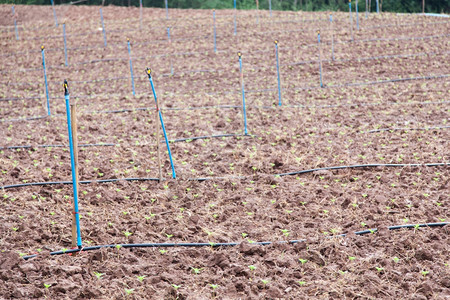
(127, 234)
(301, 283)
(162, 251)
(197, 270)
(176, 287)
(140, 278)
(380, 269)
(47, 285)
(424, 273)
(98, 275)
(213, 286)
(129, 291)
(265, 281)
(252, 267)
(351, 257)
(303, 261)
(396, 259)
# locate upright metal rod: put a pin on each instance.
(234, 17)
(167, 9)
(357, 15)
(378, 7)
(367, 8)
(131, 66)
(170, 47)
(45, 78)
(243, 93)
(214, 25)
(54, 13)
(149, 73)
(65, 45)
(72, 164)
(15, 23)
(278, 73)
(351, 19)
(103, 27)
(140, 14)
(320, 59)
(332, 37)
(270, 8)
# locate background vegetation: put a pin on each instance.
(411, 6)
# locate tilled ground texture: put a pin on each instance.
(384, 101)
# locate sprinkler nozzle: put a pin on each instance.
(42, 48)
(66, 88)
(318, 32)
(239, 54)
(276, 42)
(149, 72)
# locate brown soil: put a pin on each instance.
(313, 128)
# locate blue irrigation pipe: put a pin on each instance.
(270, 8)
(15, 23)
(350, 16)
(332, 37)
(65, 44)
(72, 164)
(232, 244)
(170, 43)
(378, 7)
(243, 93)
(149, 73)
(45, 78)
(357, 15)
(320, 59)
(234, 3)
(103, 26)
(131, 66)
(278, 73)
(167, 9)
(54, 13)
(214, 26)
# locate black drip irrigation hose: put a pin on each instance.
(217, 178)
(56, 146)
(113, 145)
(232, 244)
(407, 129)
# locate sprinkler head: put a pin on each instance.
(149, 72)
(42, 48)
(318, 32)
(66, 88)
(239, 54)
(128, 40)
(276, 42)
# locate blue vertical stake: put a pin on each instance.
(378, 7)
(54, 13)
(367, 8)
(149, 73)
(103, 26)
(140, 14)
(65, 45)
(320, 59)
(15, 23)
(243, 93)
(45, 78)
(72, 164)
(214, 25)
(131, 66)
(357, 15)
(234, 17)
(278, 73)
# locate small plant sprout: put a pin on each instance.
(396, 259)
(416, 227)
(244, 235)
(351, 257)
(197, 270)
(162, 251)
(285, 232)
(176, 287)
(380, 269)
(424, 273)
(127, 234)
(213, 286)
(98, 275)
(129, 291)
(252, 268)
(118, 247)
(141, 278)
(47, 285)
(265, 281)
(301, 283)
(303, 261)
